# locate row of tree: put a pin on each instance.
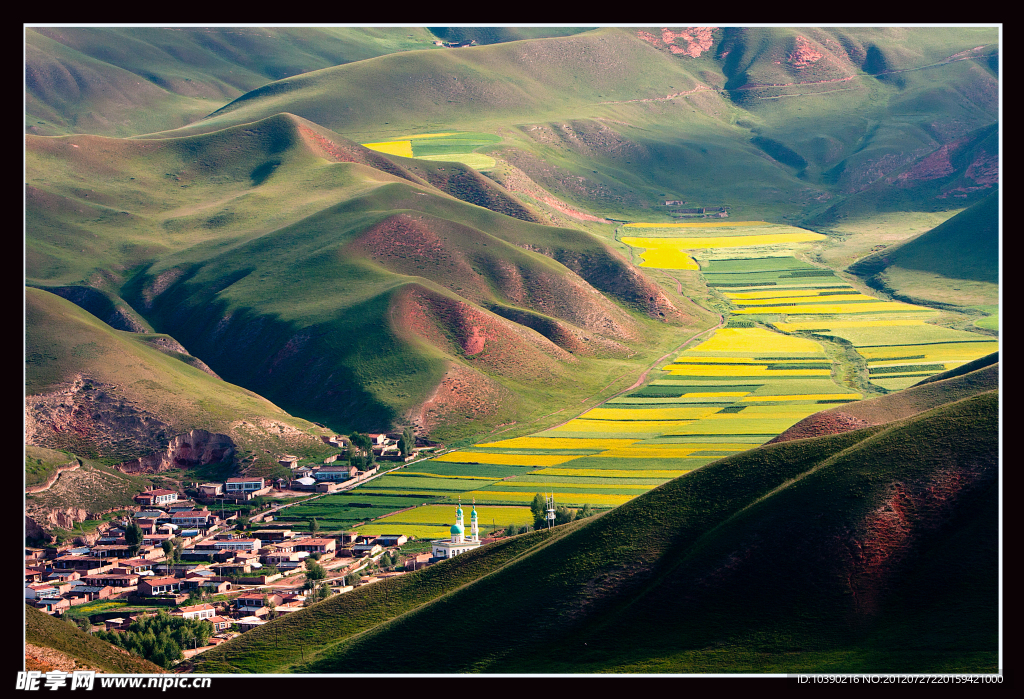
(161, 638)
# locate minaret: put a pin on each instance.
(474, 530)
(458, 528)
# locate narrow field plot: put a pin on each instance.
(807, 299)
(651, 452)
(427, 135)
(402, 148)
(810, 292)
(411, 474)
(717, 439)
(762, 426)
(488, 471)
(412, 482)
(558, 443)
(702, 224)
(568, 499)
(504, 459)
(946, 351)
(664, 474)
(753, 370)
(420, 531)
(688, 463)
(444, 515)
(828, 308)
(756, 340)
(725, 241)
(631, 427)
(698, 398)
(801, 396)
(912, 333)
(592, 479)
(631, 414)
(478, 161)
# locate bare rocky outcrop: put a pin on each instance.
(195, 448)
(86, 412)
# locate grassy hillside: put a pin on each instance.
(870, 551)
(955, 263)
(123, 81)
(49, 632)
(111, 396)
(666, 117)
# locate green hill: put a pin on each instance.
(956, 263)
(124, 81)
(869, 551)
(48, 632)
(342, 284)
(615, 121)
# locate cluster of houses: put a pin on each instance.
(215, 564)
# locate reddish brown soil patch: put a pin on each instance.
(821, 424)
(698, 40)
(803, 54)
(463, 395)
(350, 152)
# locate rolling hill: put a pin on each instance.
(341, 283)
(955, 263)
(870, 551)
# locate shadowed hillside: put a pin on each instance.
(117, 396)
(870, 551)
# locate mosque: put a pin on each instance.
(459, 543)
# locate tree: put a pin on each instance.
(314, 574)
(407, 442)
(564, 515)
(168, 547)
(133, 537)
(587, 511)
(539, 509)
(314, 527)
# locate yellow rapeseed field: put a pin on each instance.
(802, 396)
(403, 148)
(837, 298)
(603, 499)
(756, 341)
(558, 443)
(611, 472)
(463, 457)
(627, 426)
(667, 257)
(689, 413)
(753, 370)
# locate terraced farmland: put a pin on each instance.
(735, 390)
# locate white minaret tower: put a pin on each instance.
(551, 511)
(474, 530)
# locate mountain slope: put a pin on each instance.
(121, 397)
(124, 81)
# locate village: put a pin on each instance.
(194, 557)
